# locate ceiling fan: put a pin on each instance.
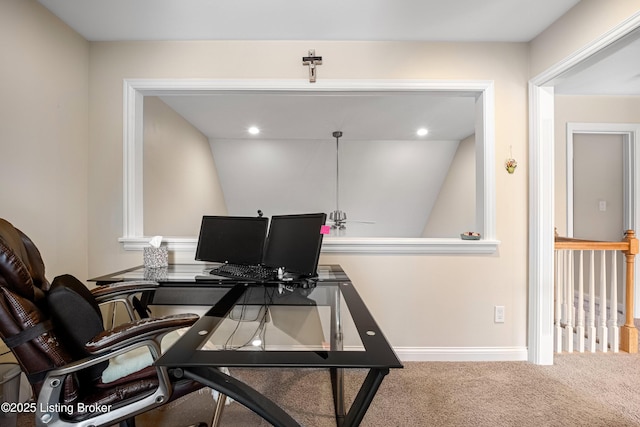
(339, 217)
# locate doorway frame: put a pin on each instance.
(631, 195)
(541, 192)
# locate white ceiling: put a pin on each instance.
(316, 116)
(450, 20)
(430, 20)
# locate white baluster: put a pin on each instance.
(558, 302)
(602, 320)
(591, 320)
(568, 297)
(580, 312)
(614, 330)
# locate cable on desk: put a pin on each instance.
(260, 331)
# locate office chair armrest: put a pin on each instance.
(125, 334)
(89, 361)
(106, 293)
(49, 397)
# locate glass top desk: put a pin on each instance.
(323, 324)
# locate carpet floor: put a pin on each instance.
(578, 390)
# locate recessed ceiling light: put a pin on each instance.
(254, 130)
(422, 132)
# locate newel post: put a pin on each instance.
(629, 333)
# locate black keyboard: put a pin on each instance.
(245, 272)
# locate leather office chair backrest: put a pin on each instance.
(50, 325)
(22, 266)
(24, 321)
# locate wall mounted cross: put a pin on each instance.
(312, 61)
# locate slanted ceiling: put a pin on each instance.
(393, 184)
(388, 175)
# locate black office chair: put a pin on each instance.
(56, 333)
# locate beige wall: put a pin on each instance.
(425, 289)
(44, 133)
(454, 211)
(583, 109)
(598, 177)
(584, 23)
(178, 160)
(420, 301)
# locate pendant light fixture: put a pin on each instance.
(338, 217)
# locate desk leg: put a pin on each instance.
(337, 384)
(337, 374)
(364, 398)
(241, 393)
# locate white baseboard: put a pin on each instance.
(461, 354)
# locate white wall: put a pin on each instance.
(44, 122)
(392, 184)
(178, 161)
(276, 176)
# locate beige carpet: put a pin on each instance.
(579, 390)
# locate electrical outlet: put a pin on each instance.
(498, 314)
(602, 205)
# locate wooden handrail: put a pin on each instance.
(628, 332)
(628, 246)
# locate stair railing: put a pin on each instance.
(581, 319)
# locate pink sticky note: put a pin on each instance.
(325, 229)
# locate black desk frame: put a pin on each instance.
(185, 359)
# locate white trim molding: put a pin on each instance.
(461, 354)
(541, 228)
(135, 90)
(363, 245)
(587, 52)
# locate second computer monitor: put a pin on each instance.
(232, 239)
(294, 243)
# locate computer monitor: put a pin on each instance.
(232, 239)
(294, 243)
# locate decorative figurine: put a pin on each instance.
(510, 164)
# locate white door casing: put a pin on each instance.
(541, 192)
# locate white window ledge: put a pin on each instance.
(351, 245)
